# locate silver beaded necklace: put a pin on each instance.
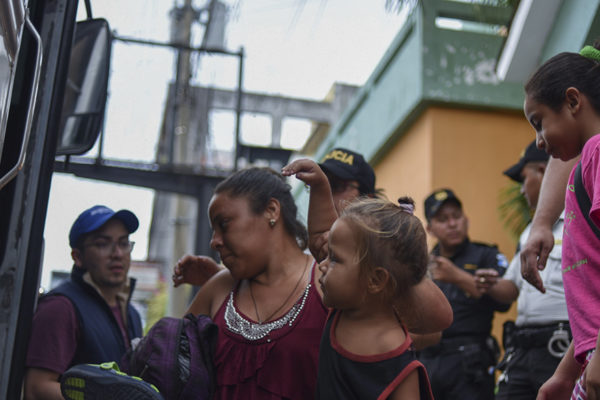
(255, 331)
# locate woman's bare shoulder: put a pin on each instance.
(212, 294)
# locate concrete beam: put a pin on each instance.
(181, 179)
(529, 30)
(277, 106)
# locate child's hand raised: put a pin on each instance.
(321, 210)
(307, 171)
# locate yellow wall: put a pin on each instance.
(465, 150)
(407, 168)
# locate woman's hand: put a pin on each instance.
(195, 270)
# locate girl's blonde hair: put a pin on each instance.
(389, 236)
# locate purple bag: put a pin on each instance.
(176, 356)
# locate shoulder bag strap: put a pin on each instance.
(584, 200)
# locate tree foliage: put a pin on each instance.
(513, 209)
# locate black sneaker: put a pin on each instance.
(104, 381)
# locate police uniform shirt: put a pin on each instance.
(533, 306)
(472, 317)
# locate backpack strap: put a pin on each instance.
(584, 200)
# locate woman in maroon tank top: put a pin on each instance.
(266, 302)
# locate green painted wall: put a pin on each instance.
(425, 64)
(576, 24)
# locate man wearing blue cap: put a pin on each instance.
(89, 318)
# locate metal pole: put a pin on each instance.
(175, 46)
(238, 108)
(88, 9)
(179, 152)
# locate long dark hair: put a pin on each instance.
(259, 185)
(550, 82)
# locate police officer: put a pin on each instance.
(349, 175)
(461, 365)
(541, 335)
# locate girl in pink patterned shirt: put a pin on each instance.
(563, 105)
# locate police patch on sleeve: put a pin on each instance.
(502, 261)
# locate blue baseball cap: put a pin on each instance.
(93, 218)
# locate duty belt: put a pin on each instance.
(449, 345)
(538, 336)
(556, 337)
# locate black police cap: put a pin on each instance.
(438, 198)
(530, 154)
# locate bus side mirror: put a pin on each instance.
(86, 88)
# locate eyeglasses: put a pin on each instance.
(105, 247)
(340, 186)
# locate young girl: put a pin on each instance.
(377, 255)
(563, 106)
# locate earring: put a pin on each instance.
(272, 222)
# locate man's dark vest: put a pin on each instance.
(100, 336)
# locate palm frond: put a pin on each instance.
(513, 209)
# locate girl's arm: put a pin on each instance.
(592, 374)
(321, 210)
(551, 203)
(561, 383)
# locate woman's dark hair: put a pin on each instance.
(259, 185)
(388, 235)
(550, 82)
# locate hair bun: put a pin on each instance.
(407, 205)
